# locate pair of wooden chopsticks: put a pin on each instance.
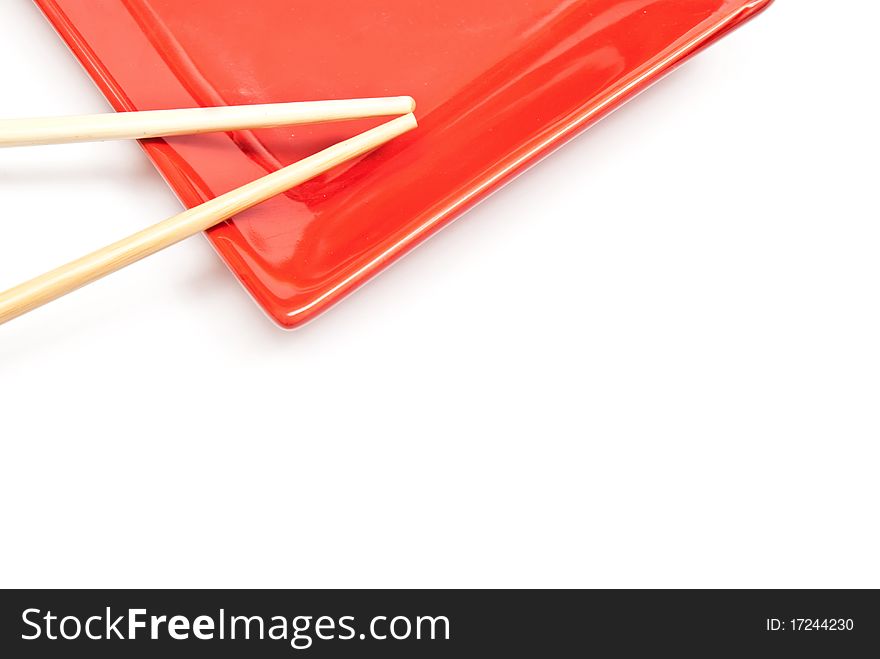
(161, 123)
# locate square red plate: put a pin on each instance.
(499, 84)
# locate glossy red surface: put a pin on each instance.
(499, 83)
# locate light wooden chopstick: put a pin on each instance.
(67, 278)
(164, 123)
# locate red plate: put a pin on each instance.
(499, 84)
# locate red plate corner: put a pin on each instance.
(499, 84)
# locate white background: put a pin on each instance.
(653, 360)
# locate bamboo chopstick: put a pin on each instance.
(45, 288)
(164, 123)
